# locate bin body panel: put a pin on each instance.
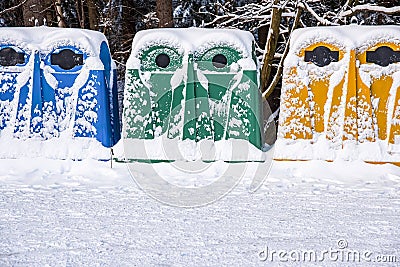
(22, 120)
(205, 125)
(8, 94)
(137, 108)
(15, 84)
(381, 78)
(110, 80)
(36, 118)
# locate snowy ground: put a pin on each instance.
(66, 213)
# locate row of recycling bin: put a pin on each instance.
(62, 84)
(197, 92)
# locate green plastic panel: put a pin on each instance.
(213, 102)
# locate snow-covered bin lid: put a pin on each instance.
(193, 41)
(49, 40)
(358, 37)
(45, 39)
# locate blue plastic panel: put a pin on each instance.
(47, 106)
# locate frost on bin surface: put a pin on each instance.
(58, 95)
(191, 88)
(340, 95)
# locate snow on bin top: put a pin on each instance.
(190, 40)
(46, 39)
(347, 37)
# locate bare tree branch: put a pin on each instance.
(12, 8)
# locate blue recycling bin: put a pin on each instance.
(58, 84)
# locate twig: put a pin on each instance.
(12, 8)
(321, 20)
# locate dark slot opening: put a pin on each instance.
(67, 59)
(321, 56)
(219, 61)
(163, 60)
(10, 57)
(383, 56)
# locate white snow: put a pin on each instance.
(346, 36)
(81, 213)
(164, 148)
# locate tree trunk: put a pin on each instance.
(278, 74)
(80, 12)
(164, 13)
(49, 13)
(60, 16)
(93, 25)
(262, 36)
(270, 47)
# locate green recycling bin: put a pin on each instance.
(192, 94)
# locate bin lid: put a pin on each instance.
(46, 39)
(190, 40)
(346, 36)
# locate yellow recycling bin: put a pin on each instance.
(340, 95)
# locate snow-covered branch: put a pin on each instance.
(320, 19)
(371, 8)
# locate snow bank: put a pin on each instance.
(344, 175)
(163, 148)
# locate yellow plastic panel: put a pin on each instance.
(365, 116)
(386, 98)
(350, 121)
(296, 124)
(304, 103)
